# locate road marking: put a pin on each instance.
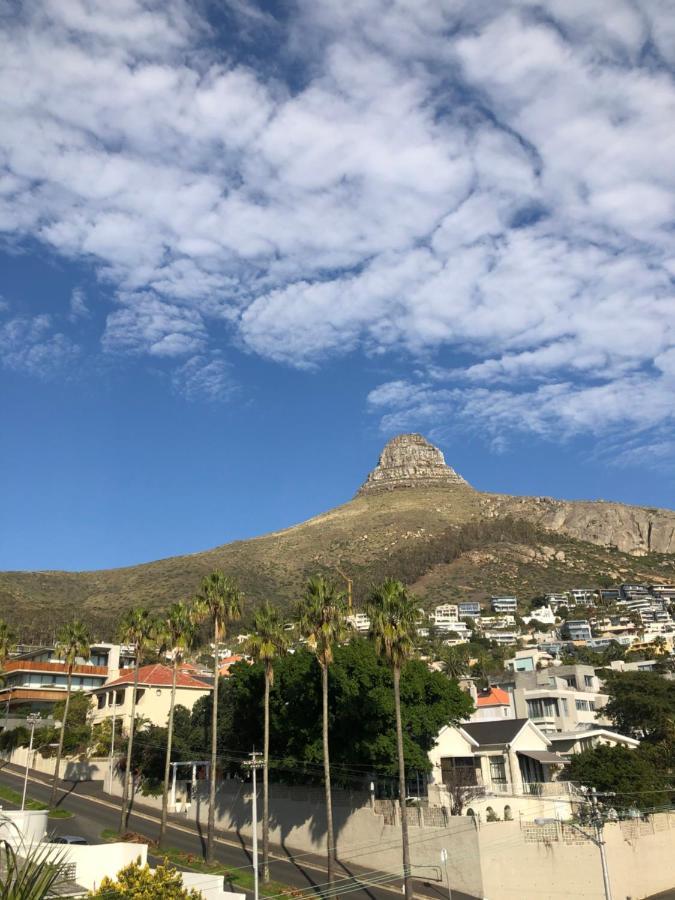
(226, 841)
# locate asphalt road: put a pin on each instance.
(95, 811)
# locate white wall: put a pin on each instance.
(23, 827)
(210, 886)
(96, 861)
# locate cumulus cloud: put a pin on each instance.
(33, 346)
(492, 180)
(204, 377)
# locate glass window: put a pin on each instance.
(120, 697)
(101, 701)
(497, 770)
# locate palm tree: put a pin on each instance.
(220, 600)
(393, 622)
(72, 643)
(322, 620)
(176, 635)
(455, 661)
(268, 642)
(137, 629)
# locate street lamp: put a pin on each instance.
(32, 720)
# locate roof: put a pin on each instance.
(592, 730)
(156, 676)
(494, 697)
(501, 731)
(544, 756)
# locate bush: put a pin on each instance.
(137, 882)
(16, 737)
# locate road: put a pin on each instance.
(93, 811)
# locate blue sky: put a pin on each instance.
(243, 243)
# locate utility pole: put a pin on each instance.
(254, 763)
(112, 741)
(599, 825)
(444, 860)
(31, 720)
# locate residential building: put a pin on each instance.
(492, 703)
(609, 595)
(503, 621)
(544, 615)
(508, 758)
(153, 695)
(555, 601)
(469, 609)
(642, 665)
(503, 638)
(226, 665)
(528, 660)
(583, 596)
(663, 591)
(504, 604)
(576, 630)
(34, 681)
(559, 698)
(567, 743)
(631, 591)
(359, 622)
(445, 617)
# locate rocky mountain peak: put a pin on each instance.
(409, 461)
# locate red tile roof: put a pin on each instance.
(157, 676)
(494, 697)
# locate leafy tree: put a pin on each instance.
(630, 774)
(78, 733)
(177, 634)
(220, 601)
(268, 642)
(72, 643)
(7, 641)
(137, 629)
(641, 704)
(455, 660)
(136, 882)
(393, 616)
(322, 620)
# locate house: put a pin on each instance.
(34, 681)
(359, 622)
(493, 762)
(567, 743)
(576, 630)
(560, 698)
(528, 660)
(445, 617)
(504, 604)
(153, 696)
(492, 703)
(503, 638)
(544, 615)
(469, 609)
(226, 665)
(583, 596)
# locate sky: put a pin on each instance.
(244, 243)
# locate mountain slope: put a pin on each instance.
(414, 518)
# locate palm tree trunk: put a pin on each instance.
(211, 826)
(266, 783)
(407, 880)
(126, 805)
(52, 802)
(330, 840)
(167, 762)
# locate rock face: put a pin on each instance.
(410, 461)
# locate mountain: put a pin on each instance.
(415, 518)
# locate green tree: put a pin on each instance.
(455, 661)
(268, 642)
(219, 600)
(393, 617)
(641, 704)
(177, 634)
(72, 643)
(322, 621)
(629, 774)
(137, 629)
(136, 882)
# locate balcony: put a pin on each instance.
(555, 789)
(29, 665)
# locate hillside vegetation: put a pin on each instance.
(445, 542)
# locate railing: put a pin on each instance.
(527, 789)
(28, 665)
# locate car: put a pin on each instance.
(68, 839)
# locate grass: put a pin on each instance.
(235, 878)
(12, 796)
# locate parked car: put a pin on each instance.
(68, 839)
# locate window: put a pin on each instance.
(497, 770)
(588, 680)
(565, 710)
(541, 707)
(101, 701)
(120, 697)
(585, 705)
(139, 694)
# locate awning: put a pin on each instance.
(544, 756)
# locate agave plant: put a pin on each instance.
(29, 872)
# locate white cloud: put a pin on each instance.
(31, 345)
(204, 377)
(78, 305)
(490, 179)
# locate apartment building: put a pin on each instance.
(576, 630)
(583, 596)
(469, 609)
(445, 617)
(359, 622)
(504, 604)
(34, 681)
(559, 698)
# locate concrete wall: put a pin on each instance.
(518, 863)
(71, 769)
(23, 828)
(94, 862)
(210, 886)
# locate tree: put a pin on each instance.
(176, 635)
(268, 642)
(136, 882)
(137, 628)
(7, 641)
(219, 600)
(455, 661)
(629, 774)
(393, 617)
(322, 621)
(641, 704)
(72, 643)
